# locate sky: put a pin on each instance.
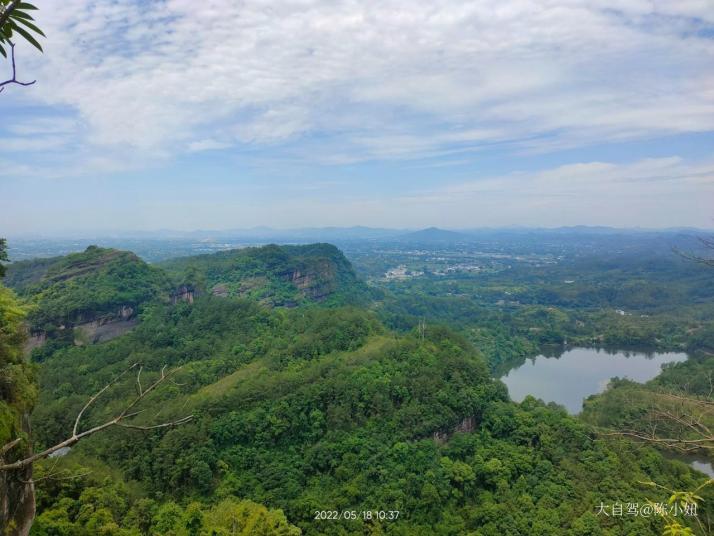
(218, 114)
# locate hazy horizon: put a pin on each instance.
(255, 231)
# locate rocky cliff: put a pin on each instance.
(96, 293)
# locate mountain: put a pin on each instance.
(274, 275)
(92, 291)
(434, 234)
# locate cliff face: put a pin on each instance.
(97, 293)
(90, 329)
(103, 329)
(97, 285)
(468, 424)
(314, 283)
(185, 293)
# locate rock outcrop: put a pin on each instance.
(316, 282)
(185, 293)
(468, 424)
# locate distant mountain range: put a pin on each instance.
(328, 234)
(434, 234)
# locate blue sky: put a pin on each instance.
(218, 114)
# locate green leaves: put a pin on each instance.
(14, 19)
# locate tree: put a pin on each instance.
(678, 420)
(3, 256)
(17, 498)
(18, 392)
(15, 19)
(120, 419)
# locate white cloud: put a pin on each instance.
(381, 79)
(655, 192)
(207, 145)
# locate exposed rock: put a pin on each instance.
(91, 329)
(441, 437)
(315, 283)
(249, 284)
(34, 341)
(468, 424)
(184, 293)
(220, 290)
(102, 330)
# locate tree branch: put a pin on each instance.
(14, 79)
(8, 446)
(115, 421)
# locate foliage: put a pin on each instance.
(79, 503)
(84, 286)
(276, 275)
(3, 256)
(17, 378)
(17, 21)
(344, 408)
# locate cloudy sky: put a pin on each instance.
(402, 113)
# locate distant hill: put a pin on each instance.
(274, 275)
(97, 285)
(434, 234)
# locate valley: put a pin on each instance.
(315, 384)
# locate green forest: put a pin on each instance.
(356, 268)
(309, 402)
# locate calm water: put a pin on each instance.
(581, 372)
(695, 461)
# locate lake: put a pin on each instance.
(571, 376)
(577, 373)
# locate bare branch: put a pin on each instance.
(8, 446)
(707, 242)
(14, 79)
(689, 444)
(155, 426)
(138, 380)
(53, 476)
(91, 400)
(118, 420)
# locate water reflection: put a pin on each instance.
(568, 377)
(695, 461)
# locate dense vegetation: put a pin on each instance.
(345, 424)
(327, 405)
(83, 286)
(18, 390)
(275, 275)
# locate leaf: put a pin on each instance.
(27, 35)
(20, 15)
(32, 27)
(26, 6)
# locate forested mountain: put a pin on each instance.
(275, 275)
(82, 287)
(316, 403)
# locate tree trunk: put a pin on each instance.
(17, 493)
